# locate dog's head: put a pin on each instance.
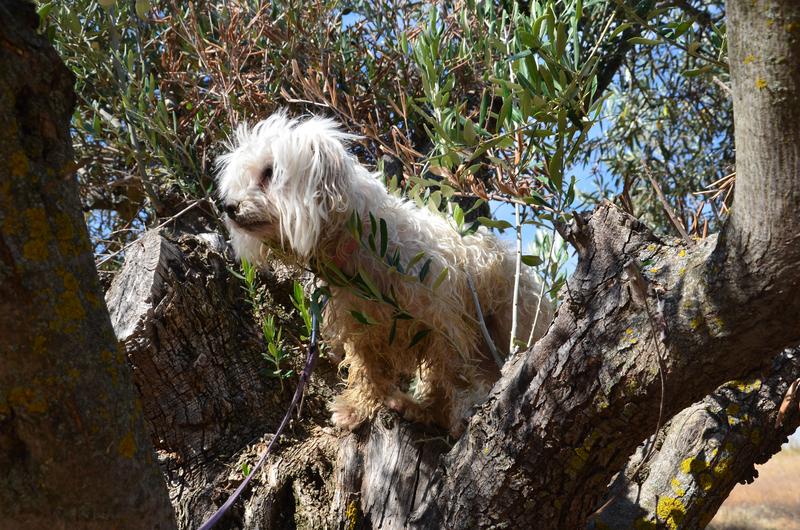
(285, 182)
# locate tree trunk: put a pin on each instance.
(73, 449)
(207, 393)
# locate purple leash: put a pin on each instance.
(311, 359)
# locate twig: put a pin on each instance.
(722, 85)
(173, 218)
(667, 208)
(517, 272)
(541, 289)
(482, 322)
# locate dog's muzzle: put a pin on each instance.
(231, 210)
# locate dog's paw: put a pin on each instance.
(345, 416)
(409, 409)
(398, 403)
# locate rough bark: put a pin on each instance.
(73, 449)
(703, 452)
(206, 392)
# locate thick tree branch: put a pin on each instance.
(703, 452)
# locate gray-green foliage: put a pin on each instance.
(668, 109)
(276, 353)
(495, 100)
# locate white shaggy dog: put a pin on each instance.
(410, 334)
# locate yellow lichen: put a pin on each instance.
(722, 467)
(35, 249)
(577, 461)
(644, 524)
(39, 346)
(677, 487)
(682, 252)
(27, 398)
(749, 58)
(761, 83)
(746, 386)
(127, 446)
(693, 466)
(69, 308)
(351, 514)
(670, 512)
(705, 481)
(65, 234)
(18, 164)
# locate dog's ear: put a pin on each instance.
(318, 180)
(329, 163)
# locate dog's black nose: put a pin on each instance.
(231, 209)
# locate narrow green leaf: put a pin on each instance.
(362, 318)
(418, 336)
(531, 260)
(373, 289)
(494, 223)
(458, 215)
(373, 225)
(418, 256)
(384, 237)
(470, 138)
(682, 28)
(392, 332)
(520, 55)
(561, 40)
(423, 272)
(555, 169)
(442, 277)
(698, 71)
(643, 41)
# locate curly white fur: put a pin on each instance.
(290, 184)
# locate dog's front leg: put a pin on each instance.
(369, 381)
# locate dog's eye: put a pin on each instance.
(266, 175)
